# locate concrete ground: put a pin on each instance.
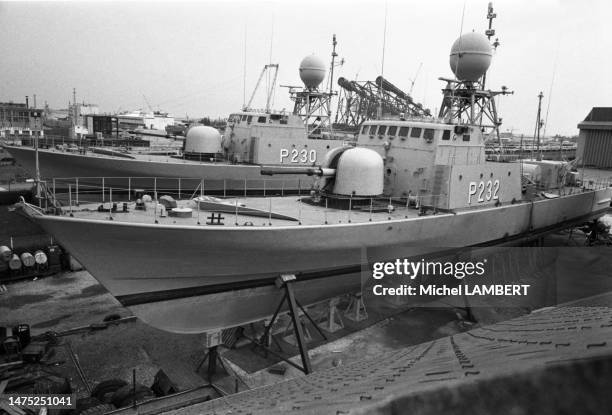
(70, 300)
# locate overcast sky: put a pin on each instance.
(188, 58)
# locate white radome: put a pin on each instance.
(359, 173)
(203, 139)
(312, 71)
(470, 56)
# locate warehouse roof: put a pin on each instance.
(599, 118)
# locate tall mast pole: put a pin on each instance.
(331, 84)
(539, 124)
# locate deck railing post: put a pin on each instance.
(350, 208)
(371, 203)
(224, 184)
(270, 212)
(155, 187)
(245, 188)
(110, 200)
(264, 188)
(129, 189)
(236, 213)
(326, 211)
(179, 187)
(102, 189)
(54, 188)
(77, 190)
(70, 197)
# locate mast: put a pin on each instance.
(539, 125)
(465, 100)
(490, 32)
(331, 83)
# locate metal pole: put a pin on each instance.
(134, 388)
(102, 189)
(77, 190)
(326, 210)
(110, 197)
(245, 188)
(371, 209)
(70, 197)
(129, 189)
(179, 187)
(350, 207)
(236, 213)
(37, 171)
(270, 212)
(224, 186)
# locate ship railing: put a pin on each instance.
(55, 141)
(99, 187)
(72, 192)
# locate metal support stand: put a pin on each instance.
(332, 320)
(356, 309)
(286, 282)
(212, 355)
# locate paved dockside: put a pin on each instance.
(557, 360)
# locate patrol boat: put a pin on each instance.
(252, 137)
(411, 187)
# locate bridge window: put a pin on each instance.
(446, 135)
(403, 132)
(466, 137)
(373, 129)
(249, 119)
(416, 132)
(392, 131)
(382, 130)
(428, 134)
(261, 120)
(244, 117)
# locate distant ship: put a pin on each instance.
(230, 163)
(409, 188)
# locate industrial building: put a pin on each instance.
(19, 119)
(595, 139)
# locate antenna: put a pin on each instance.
(244, 67)
(382, 66)
(552, 81)
(490, 32)
(415, 77)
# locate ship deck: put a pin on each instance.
(297, 208)
(138, 154)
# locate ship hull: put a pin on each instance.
(164, 273)
(130, 174)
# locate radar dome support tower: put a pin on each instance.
(466, 100)
(310, 103)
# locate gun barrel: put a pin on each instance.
(305, 170)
